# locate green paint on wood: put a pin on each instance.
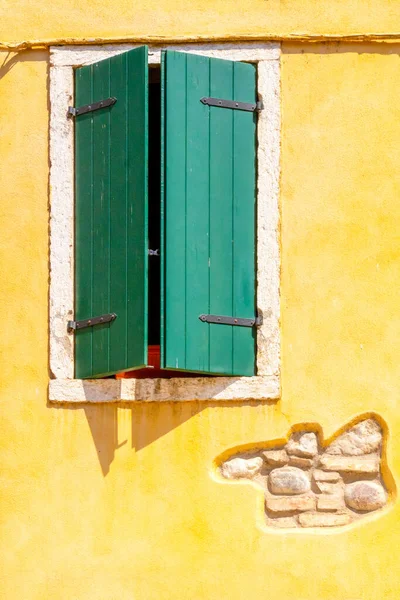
(111, 215)
(162, 213)
(208, 215)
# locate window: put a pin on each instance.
(184, 185)
(207, 250)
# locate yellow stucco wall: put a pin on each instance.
(182, 18)
(119, 503)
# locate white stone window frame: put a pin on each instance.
(265, 386)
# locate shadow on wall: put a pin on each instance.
(149, 422)
(13, 58)
(147, 425)
(103, 423)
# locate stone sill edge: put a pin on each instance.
(220, 389)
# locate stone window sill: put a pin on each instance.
(164, 390)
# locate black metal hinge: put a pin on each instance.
(221, 320)
(221, 103)
(75, 112)
(73, 325)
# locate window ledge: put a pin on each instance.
(164, 390)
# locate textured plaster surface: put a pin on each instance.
(266, 384)
(116, 501)
(168, 20)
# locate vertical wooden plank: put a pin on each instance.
(118, 212)
(137, 206)
(111, 215)
(175, 211)
(83, 221)
(162, 211)
(244, 219)
(101, 217)
(221, 224)
(197, 213)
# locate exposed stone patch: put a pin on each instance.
(363, 438)
(326, 487)
(276, 458)
(288, 480)
(326, 476)
(303, 444)
(330, 503)
(365, 495)
(301, 463)
(280, 504)
(306, 485)
(282, 522)
(349, 464)
(240, 467)
(323, 520)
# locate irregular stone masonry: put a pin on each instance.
(306, 485)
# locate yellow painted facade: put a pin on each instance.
(186, 19)
(119, 502)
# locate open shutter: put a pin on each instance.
(111, 214)
(208, 215)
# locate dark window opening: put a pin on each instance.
(154, 237)
(154, 207)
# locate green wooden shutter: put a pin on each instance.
(208, 215)
(111, 214)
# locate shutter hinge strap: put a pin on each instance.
(73, 325)
(222, 320)
(221, 103)
(75, 112)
